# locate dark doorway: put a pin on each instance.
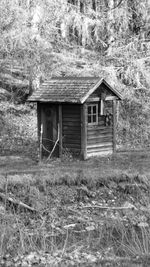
(50, 129)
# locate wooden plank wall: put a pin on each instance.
(71, 128)
(99, 138)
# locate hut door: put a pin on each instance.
(50, 129)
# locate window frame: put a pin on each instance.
(102, 106)
(92, 114)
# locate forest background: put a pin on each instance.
(44, 38)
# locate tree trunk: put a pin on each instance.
(110, 26)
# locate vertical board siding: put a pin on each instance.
(71, 128)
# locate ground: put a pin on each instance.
(78, 213)
(130, 161)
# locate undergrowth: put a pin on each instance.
(76, 221)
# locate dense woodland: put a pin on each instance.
(44, 38)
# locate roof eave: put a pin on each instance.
(55, 101)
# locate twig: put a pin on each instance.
(65, 245)
(54, 144)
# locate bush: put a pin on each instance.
(19, 129)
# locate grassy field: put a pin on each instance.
(92, 213)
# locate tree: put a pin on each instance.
(28, 32)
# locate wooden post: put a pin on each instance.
(84, 131)
(114, 126)
(60, 130)
(41, 138)
(117, 111)
(39, 128)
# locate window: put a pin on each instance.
(93, 114)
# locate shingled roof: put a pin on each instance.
(69, 89)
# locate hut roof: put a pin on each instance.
(69, 89)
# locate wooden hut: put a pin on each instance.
(76, 115)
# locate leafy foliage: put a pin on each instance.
(18, 124)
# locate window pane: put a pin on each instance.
(94, 118)
(94, 109)
(89, 110)
(89, 119)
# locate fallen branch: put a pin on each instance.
(16, 202)
(109, 208)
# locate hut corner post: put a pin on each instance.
(60, 130)
(39, 130)
(41, 138)
(114, 126)
(84, 131)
